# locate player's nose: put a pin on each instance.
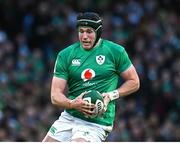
(85, 35)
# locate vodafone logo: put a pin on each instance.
(87, 74)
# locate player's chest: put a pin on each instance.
(91, 67)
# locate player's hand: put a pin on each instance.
(106, 102)
(83, 106)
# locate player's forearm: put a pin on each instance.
(60, 100)
(128, 87)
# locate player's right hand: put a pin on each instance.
(83, 106)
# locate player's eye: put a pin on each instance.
(89, 31)
(81, 31)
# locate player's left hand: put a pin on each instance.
(106, 102)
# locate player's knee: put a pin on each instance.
(79, 140)
(48, 139)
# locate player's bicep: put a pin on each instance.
(58, 85)
(130, 74)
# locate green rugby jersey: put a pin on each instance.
(98, 69)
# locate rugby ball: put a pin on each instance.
(94, 97)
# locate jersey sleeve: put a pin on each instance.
(123, 61)
(60, 68)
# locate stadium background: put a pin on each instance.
(31, 34)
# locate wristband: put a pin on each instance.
(113, 94)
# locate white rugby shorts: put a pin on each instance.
(67, 128)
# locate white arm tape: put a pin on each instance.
(113, 94)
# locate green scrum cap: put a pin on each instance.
(93, 20)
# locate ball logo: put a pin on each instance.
(87, 74)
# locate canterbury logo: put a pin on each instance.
(76, 62)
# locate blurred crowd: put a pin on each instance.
(33, 32)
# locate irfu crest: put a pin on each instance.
(100, 59)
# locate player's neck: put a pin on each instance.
(98, 43)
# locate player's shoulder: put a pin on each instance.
(69, 49)
(113, 46)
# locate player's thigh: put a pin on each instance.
(61, 130)
(88, 133)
